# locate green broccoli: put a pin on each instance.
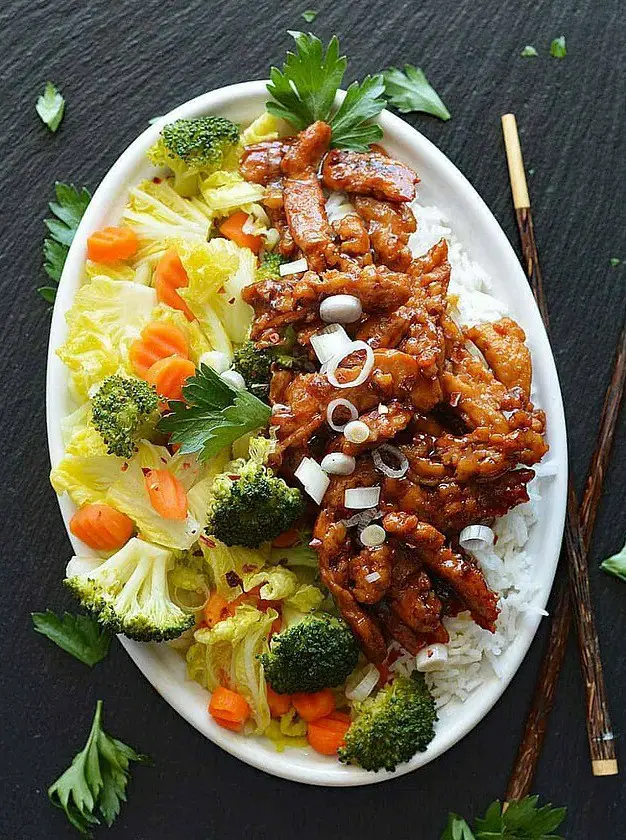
(190, 146)
(392, 726)
(255, 364)
(123, 411)
(252, 506)
(314, 652)
(269, 268)
(129, 592)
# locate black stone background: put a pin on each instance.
(119, 63)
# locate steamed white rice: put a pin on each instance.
(473, 653)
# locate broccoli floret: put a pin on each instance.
(317, 651)
(190, 146)
(255, 364)
(129, 593)
(252, 507)
(269, 268)
(392, 726)
(123, 411)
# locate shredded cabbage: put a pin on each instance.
(226, 192)
(104, 320)
(265, 127)
(231, 650)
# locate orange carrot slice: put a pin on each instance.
(158, 341)
(279, 703)
(102, 527)
(229, 708)
(327, 734)
(313, 706)
(170, 275)
(167, 494)
(169, 375)
(111, 244)
(215, 610)
(232, 229)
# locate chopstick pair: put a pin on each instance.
(579, 524)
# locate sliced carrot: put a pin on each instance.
(232, 229)
(158, 341)
(327, 734)
(287, 539)
(112, 243)
(279, 703)
(167, 494)
(170, 275)
(101, 527)
(229, 708)
(169, 375)
(215, 610)
(313, 706)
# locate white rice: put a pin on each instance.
(473, 653)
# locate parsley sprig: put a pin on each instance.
(79, 635)
(522, 820)
(409, 91)
(304, 91)
(50, 107)
(95, 783)
(67, 210)
(213, 416)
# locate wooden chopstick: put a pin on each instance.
(599, 731)
(525, 766)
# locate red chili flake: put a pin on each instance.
(233, 579)
(146, 471)
(232, 300)
(164, 459)
(124, 466)
(186, 465)
(156, 180)
(248, 567)
(274, 338)
(455, 399)
(207, 541)
(221, 290)
(234, 477)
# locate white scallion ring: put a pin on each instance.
(332, 405)
(336, 463)
(359, 498)
(368, 364)
(431, 658)
(476, 538)
(372, 536)
(392, 472)
(356, 431)
(340, 309)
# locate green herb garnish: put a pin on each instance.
(529, 52)
(50, 106)
(304, 91)
(409, 91)
(309, 15)
(68, 210)
(213, 416)
(95, 784)
(558, 48)
(616, 564)
(79, 635)
(522, 820)
(615, 261)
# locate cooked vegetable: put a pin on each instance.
(215, 610)
(270, 265)
(167, 494)
(327, 734)
(50, 106)
(79, 635)
(129, 592)
(232, 229)
(521, 818)
(68, 210)
(313, 705)
(124, 411)
(313, 652)
(169, 376)
(95, 783)
(191, 146)
(111, 244)
(616, 564)
(392, 726)
(229, 653)
(252, 507)
(170, 275)
(213, 415)
(279, 703)
(255, 364)
(558, 48)
(304, 91)
(158, 341)
(101, 527)
(229, 709)
(408, 90)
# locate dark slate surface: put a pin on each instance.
(120, 64)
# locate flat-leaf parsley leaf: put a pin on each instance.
(522, 820)
(50, 106)
(409, 90)
(213, 416)
(67, 210)
(309, 15)
(79, 635)
(95, 783)
(529, 52)
(558, 48)
(616, 564)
